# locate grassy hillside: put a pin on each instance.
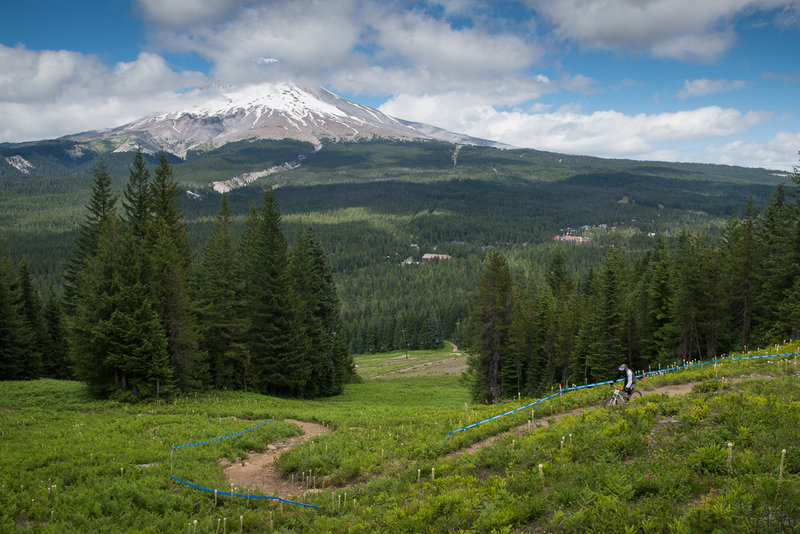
(663, 464)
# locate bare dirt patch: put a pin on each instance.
(455, 366)
(258, 470)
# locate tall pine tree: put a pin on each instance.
(101, 207)
(220, 302)
(34, 320)
(17, 342)
(743, 259)
(56, 365)
(93, 303)
(489, 329)
(608, 346)
(277, 366)
(319, 318)
(171, 256)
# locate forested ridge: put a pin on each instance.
(375, 208)
(538, 324)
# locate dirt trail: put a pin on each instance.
(455, 365)
(676, 389)
(258, 470)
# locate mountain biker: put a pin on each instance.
(630, 379)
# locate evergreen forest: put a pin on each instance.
(139, 318)
(271, 286)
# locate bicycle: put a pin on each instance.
(619, 397)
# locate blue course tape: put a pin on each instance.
(219, 492)
(564, 390)
(223, 437)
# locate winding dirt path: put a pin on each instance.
(676, 389)
(258, 470)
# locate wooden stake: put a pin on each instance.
(730, 456)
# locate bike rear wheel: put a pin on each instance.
(635, 395)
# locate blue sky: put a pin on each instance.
(679, 80)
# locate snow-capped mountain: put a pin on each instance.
(267, 111)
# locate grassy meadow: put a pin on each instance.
(662, 464)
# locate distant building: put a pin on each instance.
(572, 238)
(428, 257)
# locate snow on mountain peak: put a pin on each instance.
(265, 111)
(282, 97)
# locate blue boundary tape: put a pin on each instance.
(220, 492)
(572, 388)
(223, 437)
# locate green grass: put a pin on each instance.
(73, 464)
(392, 364)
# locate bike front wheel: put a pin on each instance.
(611, 402)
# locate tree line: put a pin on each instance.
(539, 325)
(140, 318)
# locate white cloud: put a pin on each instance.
(677, 29)
(779, 153)
(45, 94)
(428, 43)
(306, 39)
(603, 133)
(359, 46)
(704, 86)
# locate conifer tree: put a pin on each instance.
(116, 347)
(16, 338)
(311, 339)
(170, 259)
(219, 297)
(522, 335)
(660, 294)
(433, 331)
(56, 364)
(743, 260)
(698, 298)
(606, 323)
(778, 268)
(101, 207)
(34, 320)
(489, 327)
(136, 199)
(94, 302)
(164, 193)
(788, 310)
(319, 317)
(136, 343)
(277, 367)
